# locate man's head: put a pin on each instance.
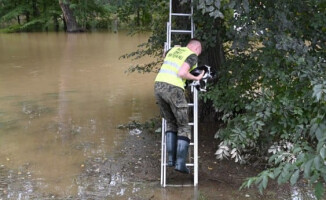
(195, 46)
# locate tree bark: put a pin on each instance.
(69, 17)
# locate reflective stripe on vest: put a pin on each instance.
(171, 65)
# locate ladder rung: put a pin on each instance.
(186, 185)
(181, 14)
(191, 144)
(190, 104)
(191, 124)
(181, 31)
(189, 164)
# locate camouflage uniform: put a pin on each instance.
(173, 107)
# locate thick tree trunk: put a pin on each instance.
(69, 17)
(215, 56)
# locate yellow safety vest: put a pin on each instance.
(171, 65)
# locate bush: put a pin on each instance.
(272, 89)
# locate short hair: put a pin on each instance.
(192, 40)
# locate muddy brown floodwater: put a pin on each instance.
(62, 97)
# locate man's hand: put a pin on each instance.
(185, 74)
(200, 76)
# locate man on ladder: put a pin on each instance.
(169, 93)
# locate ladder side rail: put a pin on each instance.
(170, 24)
(195, 94)
(168, 35)
(162, 153)
(195, 109)
(165, 154)
(192, 20)
(166, 44)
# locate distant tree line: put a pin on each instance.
(72, 15)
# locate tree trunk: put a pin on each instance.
(69, 17)
(215, 56)
(138, 17)
(27, 16)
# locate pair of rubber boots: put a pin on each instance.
(177, 148)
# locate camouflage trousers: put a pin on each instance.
(174, 108)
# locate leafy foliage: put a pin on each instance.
(137, 13)
(271, 90)
(30, 15)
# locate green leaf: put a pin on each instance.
(297, 150)
(317, 162)
(323, 152)
(294, 177)
(210, 9)
(277, 172)
(307, 168)
(209, 2)
(218, 4)
(250, 181)
(265, 181)
(320, 131)
(319, 190)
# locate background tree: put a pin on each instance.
(70, 21)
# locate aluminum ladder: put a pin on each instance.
(194, 144)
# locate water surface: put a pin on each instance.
(62, 97)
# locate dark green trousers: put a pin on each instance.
(174, 108)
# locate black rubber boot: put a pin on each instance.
(182, 153)
(171, 147)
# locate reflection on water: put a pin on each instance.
(61, 98)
